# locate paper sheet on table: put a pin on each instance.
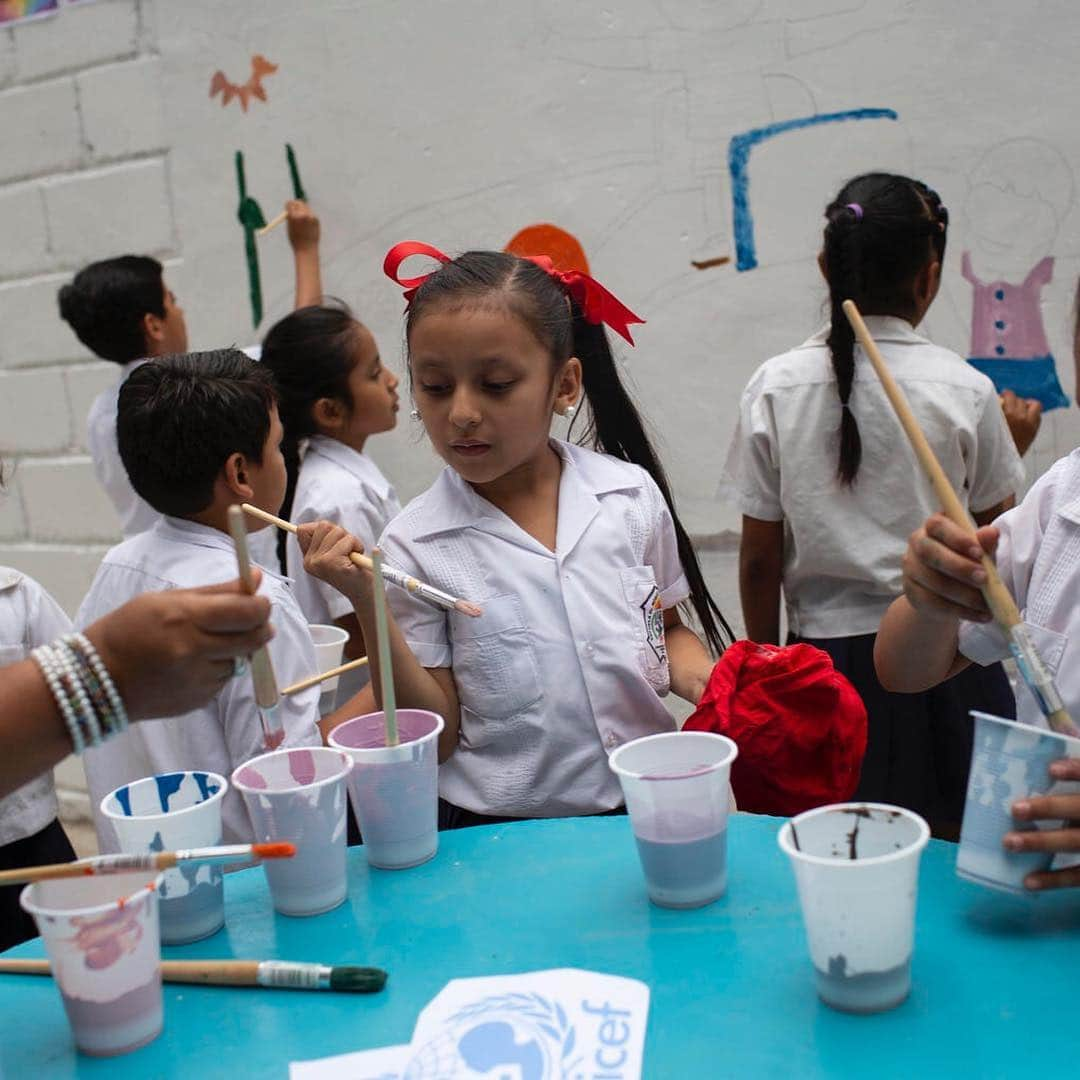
(541, 1025)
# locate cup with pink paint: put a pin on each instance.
(171, 812)
(101, 936)
(677, 795)
(329, 642)
(394, 789)
(298, 794)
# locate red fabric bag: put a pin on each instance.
(799, 724)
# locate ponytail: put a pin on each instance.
(842, 267)
(882, 231)
(616, 428)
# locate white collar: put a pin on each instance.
(354, 462)
(451, 504)
(881, 327)
(9, 578)
(184, 531)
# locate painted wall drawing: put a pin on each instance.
(1021, 192)
(739, 167)
(243, 92)
(564, 249)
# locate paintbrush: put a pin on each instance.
(151, 860)
(382, 641)
(997, 596)
(313, 680)
(262, 668)
(273, 974)
(433, 596)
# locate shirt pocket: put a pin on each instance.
(645, 614)
(494, 664)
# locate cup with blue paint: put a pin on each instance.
(172, 812)
(1009, 761)
(676, 786)
(857, 874)
(298, 794)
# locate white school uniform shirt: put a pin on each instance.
(29, 617)
(568, 660)
(338, 484)
(843, 545)
(180, 554)
(1038, 557)
(136, 515)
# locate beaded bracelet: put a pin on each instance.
(83, 690)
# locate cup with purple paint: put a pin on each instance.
(1009, 761)
(857, 872)
(171, 812)
(394, 789)
(677, 795)
(329, 642)
(101, 936)
(299, 795)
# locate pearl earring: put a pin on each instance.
(415, 414)
(569, 411)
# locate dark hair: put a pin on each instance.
(615, 427)
(311, 354)
(872, 256)
(179, 418)
(106, 302)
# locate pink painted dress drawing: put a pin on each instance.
(1008, 338)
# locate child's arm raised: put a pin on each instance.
(303, 227)
(326, 549)
(761, 571)
(917, 643)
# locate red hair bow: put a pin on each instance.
(596, 303)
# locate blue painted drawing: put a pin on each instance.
(739, 159)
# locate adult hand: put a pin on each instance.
(171, 652)
(1063, 808)
(1023, 415)
(943, 574)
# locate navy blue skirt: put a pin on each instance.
(918, 749)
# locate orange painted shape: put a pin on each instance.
(564, 250)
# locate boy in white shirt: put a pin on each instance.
(30, 834)
(197, 434)
(122, 310)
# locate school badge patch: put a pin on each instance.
(652, 611)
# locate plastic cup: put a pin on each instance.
(394, 789)
(857, 871)
(676, 790)
(299, 795)
(171, 812)
(1009, 761)
(101, 937)
(329, 644)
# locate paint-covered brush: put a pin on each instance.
(997, 596)
(270, 974)
(262, 668)
(150, 860)
(428, 593)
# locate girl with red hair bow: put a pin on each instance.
(575, 555)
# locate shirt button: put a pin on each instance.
(588, 648)
(611, 740)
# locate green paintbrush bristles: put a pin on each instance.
(359, 980)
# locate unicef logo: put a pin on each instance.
(505, 1037)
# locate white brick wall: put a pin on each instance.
(83, 175)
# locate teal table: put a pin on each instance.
(996, 978)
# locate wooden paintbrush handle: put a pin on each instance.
(313, 680)
(998, 598)
(24, 967)
(211, 972)
(42, 873)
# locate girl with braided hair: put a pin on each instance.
(830, 490)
